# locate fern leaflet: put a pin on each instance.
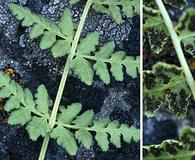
(172, 149)
(25, 110)
(166, 83)
(85, 70)
(69, 118)
(34, 113)
(57, 36)
(113, 7)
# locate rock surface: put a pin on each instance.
(119, 100)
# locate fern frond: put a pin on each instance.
(83, 125)
(166, 83)
(85, 69)
(34, 113)
(172, 149)
(112, 8)
(23, 108)
(57, 36)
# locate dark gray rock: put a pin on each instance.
(119, 100)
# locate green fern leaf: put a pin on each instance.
(116, 66)
(37, 127)
(84, 47)
(42, 100)
(106, 51)
(106, 131)
(54, 35)
(4, 79)
(129, 132)
(102, 140)
(60, 48)
(104, 128)
(20, 116)
(166, 83)
(132, 65)
(5, 92)
(85, 70)
(24, 109)
(113, 8)
(65, 139)
(12, 103)
(29, 99)
(84, 120)
(36, 31)
(84, 137)
(115, 13)
(67, 115)
(73, 1)
(47, 40)
(102, 71)
(115, 137)
(66, 25)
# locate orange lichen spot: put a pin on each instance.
(10, 71)
(191, 63)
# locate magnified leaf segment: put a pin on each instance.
(166, 83)
(186, 30)
(83, 57)
(172, 149)
(156, 30)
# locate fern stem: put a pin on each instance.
(67, 65)
(92, 129)
(94, 58)
(64, 77)
(177, 44)
(44, 147)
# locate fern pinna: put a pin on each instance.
(173, 149)
(67, 125)
(83, 62)
(34, 113)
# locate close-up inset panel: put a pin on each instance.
(70, 80)
(168, 79)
